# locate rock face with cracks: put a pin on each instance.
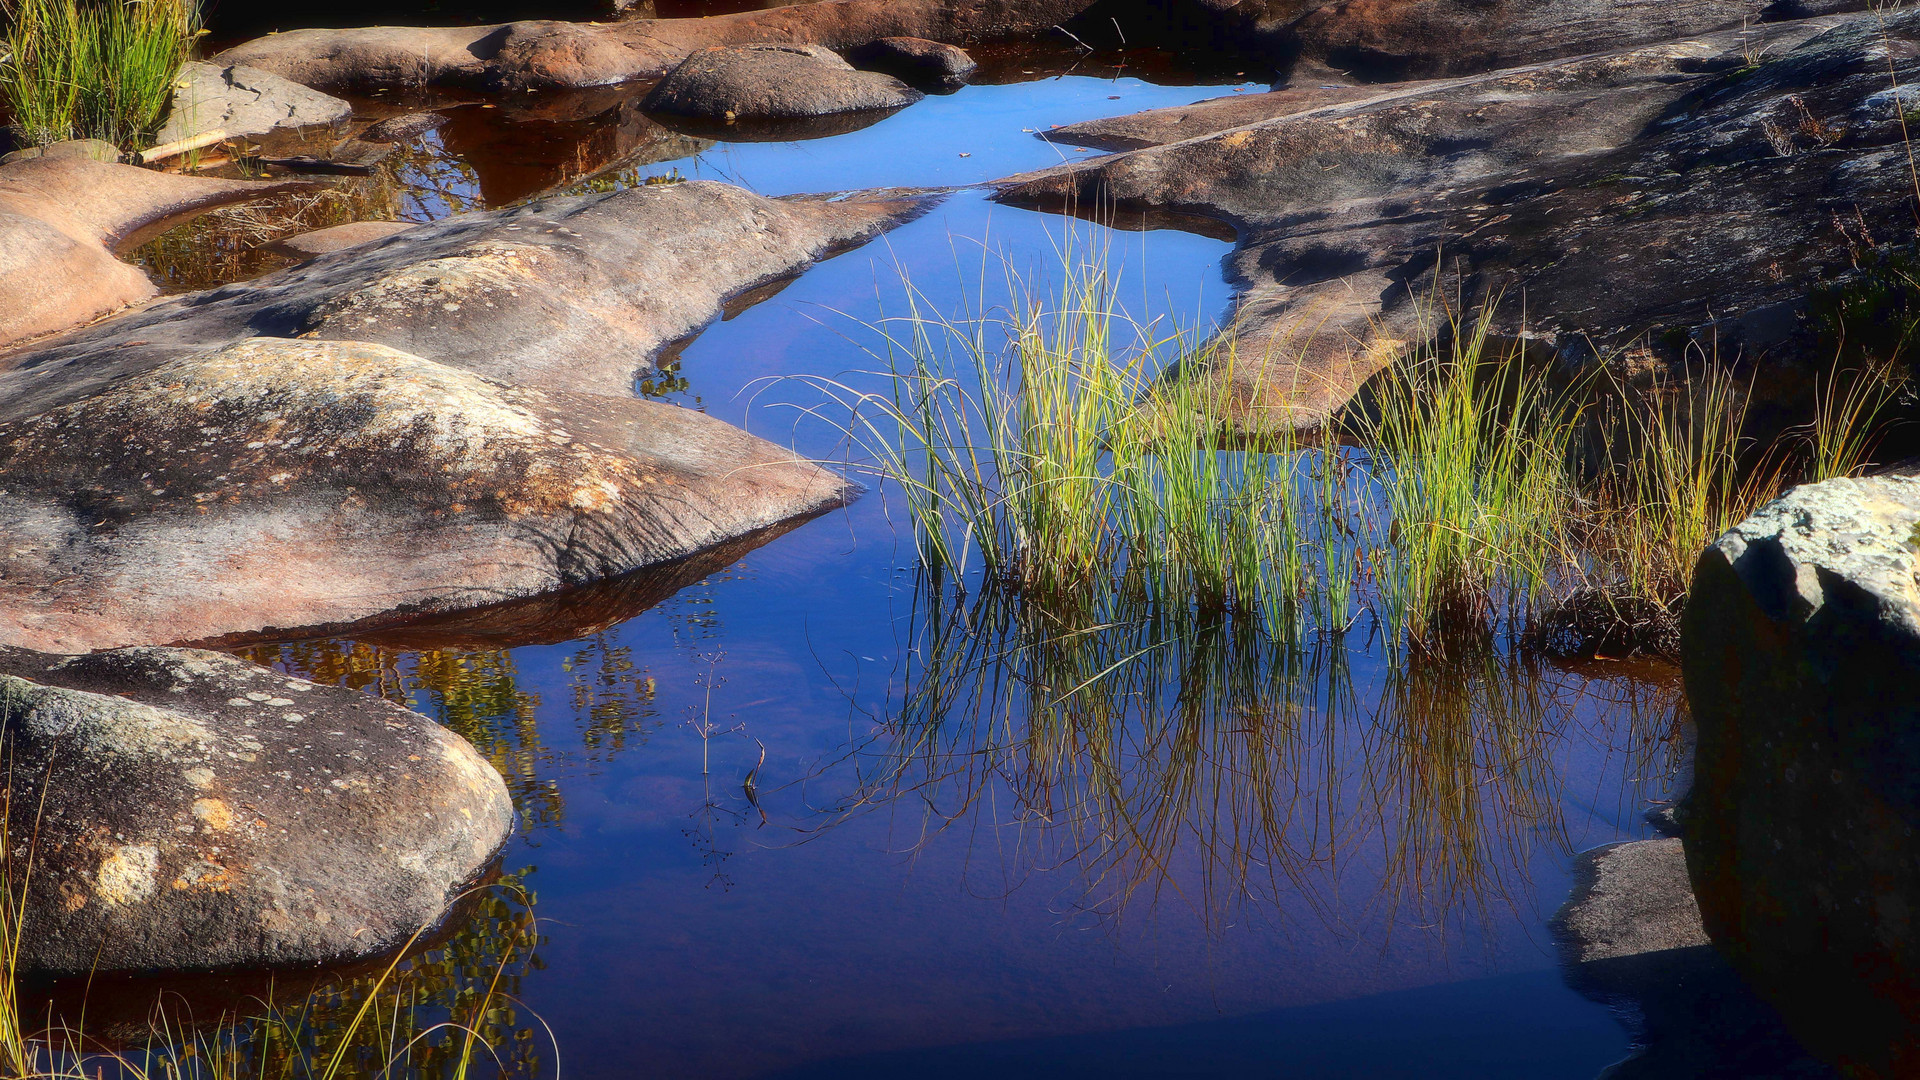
(1802, 648)
(1716, 166)
(61, 217)
(773, 82)
(189, 810)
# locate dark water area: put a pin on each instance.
(814, 815)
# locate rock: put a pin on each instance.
(1630, 899)
(279, 484)
(242, 101)
(573, 293)
(60, 217)
(378, 140)
(1802, 649)
(340, 237)
(90, 149)
(403, 127)
(1630, 937)
(189, 810)
(1377, 40)
(928, 65)
(547, 54)
(1528, 189)
(1158, 127)
(440, 420)
(773, 82)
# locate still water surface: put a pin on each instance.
(814, 816)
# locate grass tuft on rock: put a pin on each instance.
(98, 69)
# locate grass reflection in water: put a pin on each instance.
(1199, 758)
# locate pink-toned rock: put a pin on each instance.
(60, 219)
(340, 237)
(546, 53)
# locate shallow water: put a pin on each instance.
(761, 847)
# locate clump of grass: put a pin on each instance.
(1044, 444)
(1051, 444)
(1473, 457)
(101, 69)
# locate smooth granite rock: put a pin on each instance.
(186, 810)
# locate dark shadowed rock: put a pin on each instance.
(929, 65)
(284, 484)
(240, 101)
(1630, 937)
(189, 810)
(561, 54)
(1719, 182)
(573, 293)
(60, 219)
(774, 82)
(1802, 642)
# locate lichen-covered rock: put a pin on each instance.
(773, 82)
(285, 484)
(238, 101)
(437, 420)
(189, 810)
(61, 217)
(1802, 652)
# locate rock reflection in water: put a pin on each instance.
(477, 694)
(405, 1015)
(1144, 751)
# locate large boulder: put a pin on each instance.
(1802, 651)
(437, 420)
(234, 101)
(748, 83)
(279, 484)
(173, 809)
(1715, 166)
(545, 53)
(62, 216)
